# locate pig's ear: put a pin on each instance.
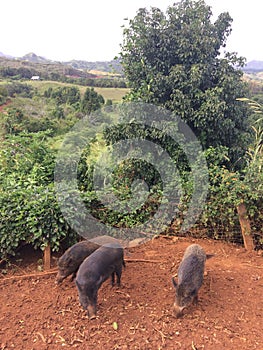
(174, 282)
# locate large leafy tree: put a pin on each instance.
(173, 59)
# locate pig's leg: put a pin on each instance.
(118, 272)
(112, 279)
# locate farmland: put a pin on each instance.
(36, 314)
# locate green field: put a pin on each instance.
(114, 94)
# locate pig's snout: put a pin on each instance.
(178, 310)
(59, 278)
(91, 312)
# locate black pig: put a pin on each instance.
(190, 277)
(95, 269)
(70, 261)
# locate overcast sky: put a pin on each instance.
(91, 29)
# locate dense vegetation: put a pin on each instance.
(170, 60)
(33, 122)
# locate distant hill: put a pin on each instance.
(30, 65)
(254, 66)
(32, 57)
(4, 55)
(113, 66)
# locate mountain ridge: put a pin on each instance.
(113, 66)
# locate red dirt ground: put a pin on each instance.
(36, 314)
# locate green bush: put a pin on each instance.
(28, 206)
(30, 214)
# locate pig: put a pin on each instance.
(95, 269)
(70, 261)
(190, 277)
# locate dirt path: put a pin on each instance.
(37, 314)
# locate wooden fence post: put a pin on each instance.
(245, 227)
(47, 258)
